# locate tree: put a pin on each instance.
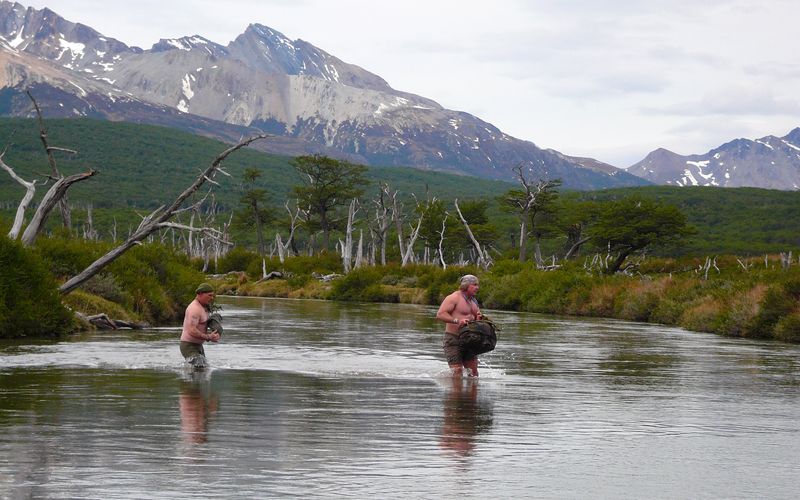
(574, 219)
(254, 213)
(479, 234)
(531, 203)
(634, 224)
(327, 185)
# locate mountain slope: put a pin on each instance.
(770, 162)
(263, 80)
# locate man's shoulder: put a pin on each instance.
(194, 306)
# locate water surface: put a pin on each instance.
(312, 398)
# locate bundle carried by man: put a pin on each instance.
(215, 323)
(477, 337)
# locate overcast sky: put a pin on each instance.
(610, 79)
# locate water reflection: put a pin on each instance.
(465, 417)
(198, 403)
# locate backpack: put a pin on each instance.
(477, 337)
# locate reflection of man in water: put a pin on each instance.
(464, 417)
(456, 310)
(196, 408)
(195, 323)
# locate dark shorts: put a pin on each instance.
(452, 351)
(190, 349)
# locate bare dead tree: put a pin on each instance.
(30, 191)
(483, 259)
(360, 250)
(50, 200)
(63, 204)
(156, 219)
(89, 233)
(397, 216)
(294, 218)
(347, 244)
(527, 204)
(441, 240)
(382, 222)
(408, 253)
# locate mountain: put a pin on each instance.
(770, 162)
(311, 100)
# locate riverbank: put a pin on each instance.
(753, 298)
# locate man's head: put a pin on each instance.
(469, 284)
(204, 293)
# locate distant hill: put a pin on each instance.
(770, 162)
(143, 166)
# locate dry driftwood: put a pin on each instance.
(103, 322)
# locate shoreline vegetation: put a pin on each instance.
(736, 297)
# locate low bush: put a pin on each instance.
(30, 305)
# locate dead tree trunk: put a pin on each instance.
(283, 248)
(51, 198)
(483, 259)
(30, 191)
(360, 250)
(347, 244)
(63, 204)
(441, 240)
(155, 220)
(382, 218)
(408, 254)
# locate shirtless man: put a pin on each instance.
(457, 309)
(195, 323)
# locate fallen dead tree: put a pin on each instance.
(158, 219)
(104, 322)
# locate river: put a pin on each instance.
(330, 400)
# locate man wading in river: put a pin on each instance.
(195, 324)
(458, 309)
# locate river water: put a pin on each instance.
(321, 399)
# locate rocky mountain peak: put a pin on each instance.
(187, 43)
(793, 137)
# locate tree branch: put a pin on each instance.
(153, 221)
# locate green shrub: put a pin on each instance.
(66, 257)
(777, 303)
(106, 286)
(358, 284)
(238, 259)
(30, 305)
(788, 328)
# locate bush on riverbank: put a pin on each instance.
(151, 282)
(29, 301)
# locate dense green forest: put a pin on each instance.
(141, 167)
